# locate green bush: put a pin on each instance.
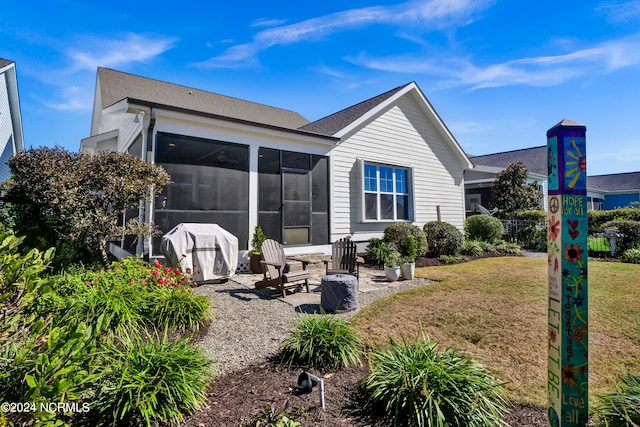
(629, 228)
(531, 215)
(396, 233)
(596, 219)
(443, 238)
(178, 309)
(621, 408)
(631, 256)
(408, 249)
(131, 295)
(151, 381)
(483, 227)
(378, 251)
(472, 247)
(508, 248)
(322, 342)
(413, 384)
(274, 415)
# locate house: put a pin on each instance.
(618, 190)
(239, 164)
(603, 191)
(11, 139)
(478, 180)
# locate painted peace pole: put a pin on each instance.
(567, 248)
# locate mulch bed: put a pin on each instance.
(238, 397)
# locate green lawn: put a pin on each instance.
(496, 308)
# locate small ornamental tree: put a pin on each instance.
(511, 193)
(74, 200)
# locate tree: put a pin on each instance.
(76, 199)
(511, 193)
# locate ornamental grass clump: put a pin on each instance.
(323, 342)
(179, 309)
(412, 384)
(151, 380)
(621, 408)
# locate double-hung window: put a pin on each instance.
(386, 193)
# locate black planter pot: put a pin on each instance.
(254, 263)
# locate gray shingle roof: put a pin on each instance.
(330, 125)
(116, 86)
(534, 159)
(4, 62)
(615, 182)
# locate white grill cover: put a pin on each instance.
(211, 251)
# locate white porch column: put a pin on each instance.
(253, 190)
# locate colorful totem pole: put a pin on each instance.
(567, 381)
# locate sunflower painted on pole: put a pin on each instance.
(567, 248)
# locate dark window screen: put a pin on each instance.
(210, 184)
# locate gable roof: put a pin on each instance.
(335, 122)
(116, 86)
(629, 181)
(5, 62)
(534, 159)
(343, 122)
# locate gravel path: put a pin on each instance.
(250, 325)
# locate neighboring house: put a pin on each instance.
(11, 139)
(239, 164)
(603, 191)
(616, 190)
(478, 181)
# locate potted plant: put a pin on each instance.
(409, 252)
(392, 266)
(255, 254)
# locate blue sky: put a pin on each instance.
(499, 73)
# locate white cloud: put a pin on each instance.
(266, 22)
(432, 14)
(118, 52)
(620, 11)
(548, 70)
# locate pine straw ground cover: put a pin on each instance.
(496, 309)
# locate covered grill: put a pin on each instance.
(211, 252)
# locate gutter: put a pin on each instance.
(146, 148)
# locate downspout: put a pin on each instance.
(147, 146)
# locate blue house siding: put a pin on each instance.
(613, 201)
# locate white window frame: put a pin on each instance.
(378, 192)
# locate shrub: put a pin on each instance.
(152, 381)
(179, 309)
(397, 232)
(471, 247)
(631, 256)
(621, 408)
(408, 249)
(322, 342)
(378, 250)
(460, 391)
(596, 219)
(483, 227)
(443, 238)
(448, 259)
(274, 415)
(508, 248)
(629, 228)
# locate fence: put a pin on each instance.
(533, 234)
(528, 233)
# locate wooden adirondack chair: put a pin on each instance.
(344, 258)
(275, 274)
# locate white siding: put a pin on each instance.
(6, 127)
(402, 135)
